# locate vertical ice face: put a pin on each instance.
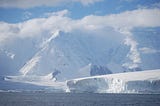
(149, 86)
(115, 85)
(97, 85)
(88, 85)
(133, 82)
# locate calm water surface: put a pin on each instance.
(75, 99)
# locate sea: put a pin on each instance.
(77, 99)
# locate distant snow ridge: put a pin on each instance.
(36, 58)
(131, 82)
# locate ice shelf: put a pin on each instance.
(130, 82)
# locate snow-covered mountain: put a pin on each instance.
(70, 53)
(82, 54)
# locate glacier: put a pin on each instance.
(129, 82)
(47, 81)
(147, 81)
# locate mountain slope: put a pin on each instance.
(70, 52)
(73, 55)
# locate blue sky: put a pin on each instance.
(14, 14)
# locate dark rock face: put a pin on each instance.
(133, 69)
(99, 70)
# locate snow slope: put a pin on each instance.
(70, 53)
(130, 82)
(45, 81)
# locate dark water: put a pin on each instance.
(83, 99)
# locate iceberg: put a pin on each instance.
(129, 82)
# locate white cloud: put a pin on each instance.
(133, 55)
(8, 53)
(59, 13)
(87, 2)
(59, 20)
(147, 50)
(156, 5)
(128, 19)
(127, 0)
(35, 3)
(7, 32)
(11, 55)
(26, 15)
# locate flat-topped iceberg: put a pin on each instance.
(131, 82)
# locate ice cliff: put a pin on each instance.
(130, 82)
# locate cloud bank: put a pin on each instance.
(59, 20)
(147, 50)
